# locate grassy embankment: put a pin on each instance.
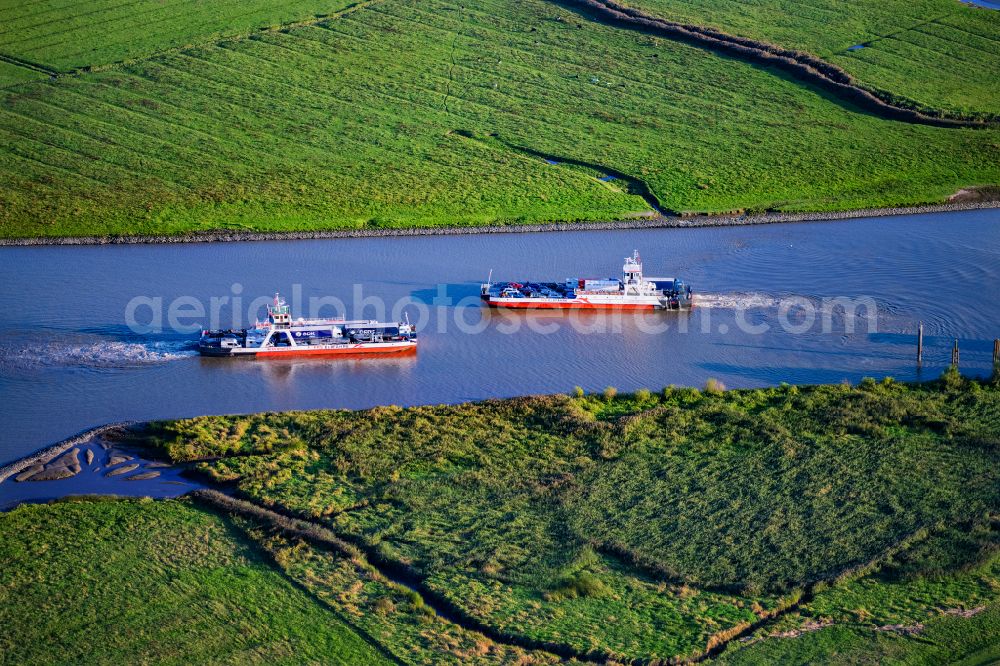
(927, 54)
(364, 121)
(154, 582)
(652, 526)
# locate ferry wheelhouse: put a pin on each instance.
(633, 291)
(281, 336)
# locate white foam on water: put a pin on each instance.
(736, 301)
(96, 354)
(871, 314)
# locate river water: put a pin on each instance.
(69, 359)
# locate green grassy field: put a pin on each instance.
(653, 525)
(407, 113)
(11, 74)
(63, 36)
(933, 54)
(112, 582)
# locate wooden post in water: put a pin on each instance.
(954, 354)
(996, 353)
(920, 344)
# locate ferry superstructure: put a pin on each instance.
(281, 336)
(632, 292)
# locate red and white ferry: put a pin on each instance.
(280, 336)
(632, 292)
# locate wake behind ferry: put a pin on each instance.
(280, 336)
(631, 292)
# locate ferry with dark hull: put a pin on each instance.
(632, 291)
(281, 336)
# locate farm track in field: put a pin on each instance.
(803, 66)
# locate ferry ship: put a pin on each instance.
(632, 292)
(280, 336)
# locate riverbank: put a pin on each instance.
(49, 453)
(655, 222)
(93, 463)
